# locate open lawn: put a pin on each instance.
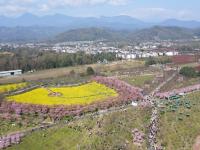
(11, 87)
(105, 132)
(139, 80)
(179, 131)
(83, 94)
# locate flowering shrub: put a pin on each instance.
(138, 137)
(8, 140)
(178, 91)
(126, 94)
(125, 90)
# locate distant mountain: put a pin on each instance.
(149, 34)
(62, 34)
(181, 23)
(162, 33)
(28, 34)
(58, 20)
(116, 22)
(89, 34)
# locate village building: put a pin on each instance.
(10, 73)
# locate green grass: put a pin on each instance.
(139, 80)
(178, 134)
(7, 127)
(112, 132)
(175, 84)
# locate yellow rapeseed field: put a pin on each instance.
(11, 87)
(83, 94)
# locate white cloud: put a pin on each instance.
(15, 7)
(57, 3)
(12, 10)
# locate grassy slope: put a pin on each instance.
(180, 135)
(7, 127)
(114, 132)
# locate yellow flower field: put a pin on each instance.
(83, 94)
(11, 87)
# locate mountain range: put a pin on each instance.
(155, 33)
(69, 22)
(61, 28)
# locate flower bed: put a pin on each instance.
(126, 94)
(77, 95)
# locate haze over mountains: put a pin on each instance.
(115, 22)
(31, 28)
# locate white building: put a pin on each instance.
(10, 73)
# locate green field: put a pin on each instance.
(176, 134)
(83, 94)
(139, 80)
(109, 132)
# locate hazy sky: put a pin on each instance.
(152, 10)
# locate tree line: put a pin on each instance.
(31, 59)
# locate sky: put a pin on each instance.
(148, 10)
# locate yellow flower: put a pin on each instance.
(83, 94)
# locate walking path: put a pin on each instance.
(154, 124)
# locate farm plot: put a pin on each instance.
(180, 122)
(12, 87)
(83, 94)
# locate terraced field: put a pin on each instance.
(83, 94)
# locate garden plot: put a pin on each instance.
(179, 122)
(83, 94)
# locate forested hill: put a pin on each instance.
(28, 34)
(61, 34)
(149, 34)
(89, 34)
(162, 33)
